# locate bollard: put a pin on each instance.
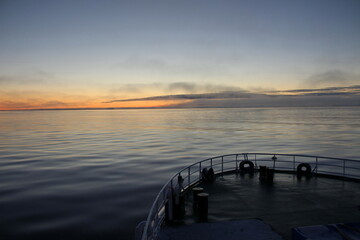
(203, 206)
(270, 175)
(179, 209)
(196, 191)
(262, 175)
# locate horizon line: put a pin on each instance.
(145, 108)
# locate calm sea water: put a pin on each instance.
(95, 174)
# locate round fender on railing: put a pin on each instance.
(246, 166)
(211, 174)
(204, 174)
(300, 171)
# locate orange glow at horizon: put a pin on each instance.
(61, 105)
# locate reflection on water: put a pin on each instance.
(94, 174)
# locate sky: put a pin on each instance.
(178, 53)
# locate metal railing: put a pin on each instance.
(325, 166)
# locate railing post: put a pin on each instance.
(316, 165)
(222, 165)
(211, 162)
(188, 177)
(236, 163)
(344, 168)
(274, 160)
(199, 171)
(164, 195)
(294, 163)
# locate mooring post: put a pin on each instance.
(196, 191)
(203, 206)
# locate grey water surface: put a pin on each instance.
(93, 174)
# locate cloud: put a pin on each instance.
(39, 99)
(29, 77)
(333, 78)
(5, 79)
(135, 87)
(189, 87)
(129, 91)
(15, 105)
(334, 96)
(48, 104)
(270, 101)
(32, 104)
(222, 95)
(160, 68)
(10, 80)
(351, 90)
(184, 86)
(173, 88)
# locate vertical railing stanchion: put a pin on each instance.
(236, 163)
(211, 162)
(316, 165)
(222, 165)
(199, 171)
(188, 177)
(344, 168)
(294, 163)
(255, 160)
(274, 160)
(164, 195)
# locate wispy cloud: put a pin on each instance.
(38, 99)
(189, 87)
(351, 90)
(159, 67)
(333, 78)
(34, 104)
(28, 77)
(183, 86)
(175, 88)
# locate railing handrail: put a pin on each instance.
(166, 185)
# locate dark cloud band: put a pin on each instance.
(223, 95)
(333, 91)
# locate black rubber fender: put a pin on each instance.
(250, 168)
(208, 175)
(211, 174)
(300, 170)
(204, 174)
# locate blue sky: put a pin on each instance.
(85, 53)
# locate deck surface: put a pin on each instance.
(286, 203)
(230, 230)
